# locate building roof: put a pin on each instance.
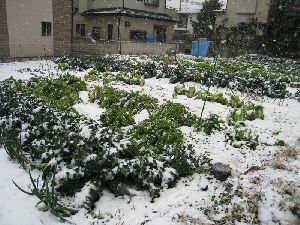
(128, 12)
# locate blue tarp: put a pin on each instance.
(201, 48)
(151, 39)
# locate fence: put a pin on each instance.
(124, 48)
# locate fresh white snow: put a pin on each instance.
(184, 203)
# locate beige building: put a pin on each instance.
(55, 27)
(35, 28)
(123, 26)
(238, 11)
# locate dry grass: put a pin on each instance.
(289, 153)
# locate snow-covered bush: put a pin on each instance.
(117, 116)
(210, 124)
(270, 79)
(191, 92)
(176, 113)
(78, 151)
(60, 93)
(239, 136)
(247, 112)
(134, 101)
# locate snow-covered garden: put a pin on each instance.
(150, 141)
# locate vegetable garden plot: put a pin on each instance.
(116, 153)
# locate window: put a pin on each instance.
(183, 20)
(294, 2)
(152, 2)
(138, 35)
(160, 33)
(80, 29)
(110, 29)
(46, 28)
(96, 33)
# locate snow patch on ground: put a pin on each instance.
(90, 110)
(184, 203)
(143, 115)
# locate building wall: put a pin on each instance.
(144, 25)
(4, 38)
(126, 48)
(91, 22)
(62, 26)
(243, 11)
(135, 24)
(133, 4)
(24, 27)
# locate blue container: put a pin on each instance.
(151, 39)
(201, 48)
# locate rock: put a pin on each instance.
(221, 171)
(204, 188)
(253, 169)
(296, 210)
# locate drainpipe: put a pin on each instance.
(180, 5)
(119, 36)
(256, 7)
(123, 3)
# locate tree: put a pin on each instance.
(206, 17)
(283, 29)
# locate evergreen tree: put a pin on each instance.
(206, 18)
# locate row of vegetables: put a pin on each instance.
(116, 152)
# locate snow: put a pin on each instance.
(184, 203)
(143, 115)
(16, 208)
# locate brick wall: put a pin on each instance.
(62, 26)
(4, 39)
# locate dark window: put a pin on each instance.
(294, 2)
(96, 33)
(80, 29)
(152, 2)
(46, 28)
(160, 33)
(138, 35)
(110, 30)
(183, 20)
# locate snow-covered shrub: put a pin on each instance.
(60, 93)
(117, 116)
(78, 151)
(235, 102)
(148, 69)
(247, 112)
(92, 75)
(154, 136)
(243, 75)
(133, 101)
(126, 77)
(239, 136)
(63, 66)
(176, 113)
(201, 94)
(210, 124)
